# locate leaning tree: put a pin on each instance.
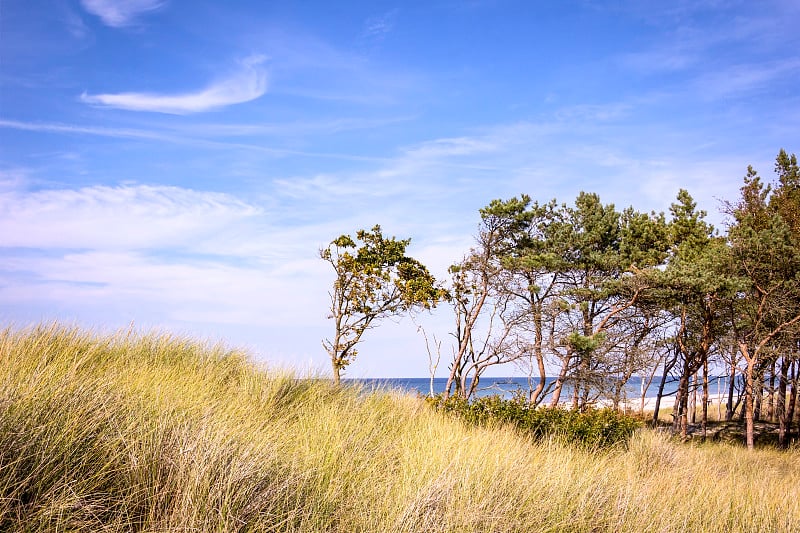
(374, 280)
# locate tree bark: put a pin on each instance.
(691, 411)
(749, 393)
(680, 420)
(562, 375)
(731, 389)
(780, 403)
(465, 336)
(704, 419)
(758, 395)
(769, 410)
(533, 398)
(668, 364)
(644, 388)
(791, 408)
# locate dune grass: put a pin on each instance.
(155, 433)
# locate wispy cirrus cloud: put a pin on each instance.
(247, 83)
(101, 131)
(120, 13)
(746, 78)
(123, 217)
(179, 256)
(378, 26)
(199, 138)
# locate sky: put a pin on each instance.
(177, 165)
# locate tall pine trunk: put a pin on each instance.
(680, 422)
(769, 401)
(691, 411)
(791, 408)
(731, 390)
(749, 398)
(704, 419)
(780, 403)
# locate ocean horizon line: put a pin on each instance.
(509, 385)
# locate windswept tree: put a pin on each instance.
(485, 327)
(534, 264)
(374, 280)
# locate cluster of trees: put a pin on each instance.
(603, 295)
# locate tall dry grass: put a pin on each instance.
(157, 433)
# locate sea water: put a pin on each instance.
(507, 387)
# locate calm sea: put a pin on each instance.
(507, 386)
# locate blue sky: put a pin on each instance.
(178, 164)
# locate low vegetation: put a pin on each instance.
(592, 428)
(151, 433)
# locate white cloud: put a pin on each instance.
(180, 290)
(195, 136)
(736, 80)
(180, 257)
(594, 113)
(247, 83)
(120, 13)
(189, 260)
(378, 26)
(126, 217)
(12, 179)
(101, 131)
(452, 147)
(419, 174)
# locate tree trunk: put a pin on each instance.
(644, 387)
(473, 384)
(562, 375)
(691, 411)
(683, 419)
(780, 403)
(667, 367)
(679, 420)
(616, 396)
(575, 395)
(704, 419)
(336, 374)
(792, 401)
(749, 393)
(769, 411)
(758, 395)
(731, 390)
(454, 378)
(533, 398)
(464, 332)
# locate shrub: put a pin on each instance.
(593, 428)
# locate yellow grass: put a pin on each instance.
(156, 433)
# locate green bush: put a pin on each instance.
(593, 428)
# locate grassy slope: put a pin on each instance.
(131, 433)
